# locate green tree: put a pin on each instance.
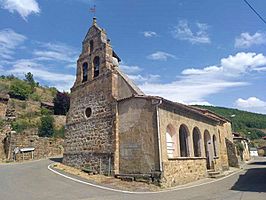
(60, 133)
(61, 103)
(30, 80)
(20, 89)
(46, 128)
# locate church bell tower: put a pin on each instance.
(90, 138)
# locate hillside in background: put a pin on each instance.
(32, 106)
(251, 125)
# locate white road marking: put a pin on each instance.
(131, 192)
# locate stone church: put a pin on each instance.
(114, 128)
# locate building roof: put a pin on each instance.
(211, 113)
(130, 82)
(49, 104)
(253, 149)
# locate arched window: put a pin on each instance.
(96, 64)
(197, 142)
(214, 141)
(183, 139)
(91, 46)
(171, 141)
(84, 72)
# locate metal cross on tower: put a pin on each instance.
(93, 10)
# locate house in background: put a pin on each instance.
(114, 128)
(253, 152)
(242, 146)
(262, 151)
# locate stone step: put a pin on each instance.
(215, 174)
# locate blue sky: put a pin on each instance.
(190, 51)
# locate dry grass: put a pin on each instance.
(109, 181)
(45, 94)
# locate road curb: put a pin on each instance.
(132, 192)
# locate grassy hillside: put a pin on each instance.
(251, 125)
(25, 99)
(35, 93)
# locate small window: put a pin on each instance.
(96, 64)
(91, 46)
(84, 72)
(88, 112)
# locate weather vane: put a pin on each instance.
(93, 10)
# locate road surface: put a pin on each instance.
(33, 181)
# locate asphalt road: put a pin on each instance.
(33, 181)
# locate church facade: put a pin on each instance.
(114, 128)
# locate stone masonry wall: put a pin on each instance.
(232, 154)
(137, 136)
(197, 166)
(90, 140)
(224, 132)
(3, 142)
(44, 147)
(180, 171)
(3, 107)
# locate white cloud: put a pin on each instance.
(133, 72)
(149, 34)
(232, 66)
(41, 63)
(9, 41)
(160, 55)
(130, 69)
(59, 80)
(147, 79)
(202, 103)
(252, 104)
(189, 89)
(23, 7)
(245, 40)
(183, 32)
(194, 85)
(56, 52)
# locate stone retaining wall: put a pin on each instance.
(183, 170)
(44, 147)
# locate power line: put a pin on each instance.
(264, 21)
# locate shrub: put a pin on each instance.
(35, 97)
(23, 105)
(45, 111)
(60, 133)
(46, 128)
(20, 89)
(21, 124)
(4, 88)
(53, 91)
(61, 103)
(10, 77)
(30, 80)
(1, 123)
